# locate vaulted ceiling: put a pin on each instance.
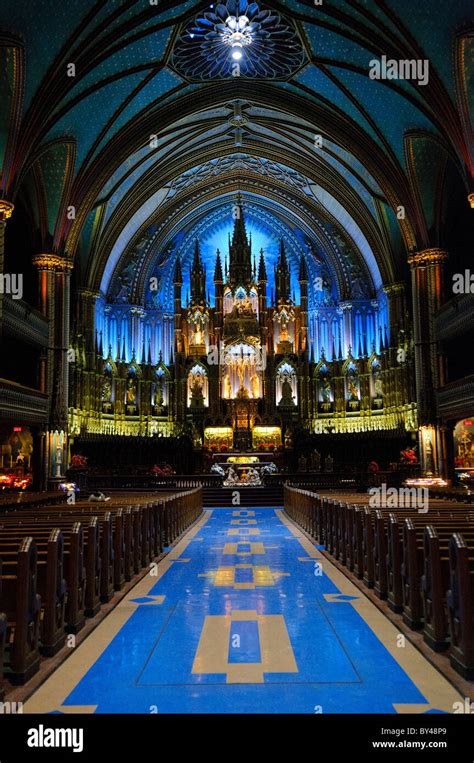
(117, 115)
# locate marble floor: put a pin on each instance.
(245, 615)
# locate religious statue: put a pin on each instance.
(241, 371)
(244, 306)
(353, 390)
(302, 463)
(196, 389)
(315, 461)
(378, 386)
(231, 478)
(106, 391)
(227, 386)
(284, 335)
(359, 286)
(197, 337)
(287, 397)
(254, 383)
(253, 477)
(429, 457)
(243, 391)
(159, 400)
(131, 395)
(122, 293)
(329, 464)
(326, 391)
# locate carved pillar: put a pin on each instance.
(6, 209)
(427, 289)
(54, 286)
(85, 315)
(396, 309)
(347, 340)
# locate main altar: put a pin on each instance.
(243, 470)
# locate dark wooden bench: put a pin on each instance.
(419, 585)
(98, 547)
(461, 605)
(424, 572)
(22, 606)
(3, 636)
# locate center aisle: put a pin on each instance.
(245, 615)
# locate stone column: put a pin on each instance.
(348, 338)
(396, 309)
(6, 209)
(85, 315)
(427, 290)
(54, 288)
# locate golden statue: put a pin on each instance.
(227, 386)
(241, 372)
(196, 384)
(255, 385)
(284, 335)
(131, 392)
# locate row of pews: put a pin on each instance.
(422, 564)
(60, 563)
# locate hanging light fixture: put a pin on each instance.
(237, 35)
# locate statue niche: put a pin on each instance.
(352, 388)
(286, 386)
(324, 390)
(106, 393)
(131, 397)
(197, 386)
(377, 400)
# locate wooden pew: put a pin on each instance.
(408, 563)
(3, 636)
(461, 606)
(73, 565)
(22, 605)
(417, 567)
(100, 545)
(91, 552)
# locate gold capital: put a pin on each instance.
(6, 209)
(394, 287)
(52, 262)
(433, 256)
(84, 291)
(470, 199)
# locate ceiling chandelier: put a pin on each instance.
(237, 33)
(264, 43)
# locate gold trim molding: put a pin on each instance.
(393, 288)
(6, 209)
(88, 293)
(52, 262)
(426, 257)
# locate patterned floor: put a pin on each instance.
(245, 615)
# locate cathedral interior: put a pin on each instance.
(251, 251)
(236, 245)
